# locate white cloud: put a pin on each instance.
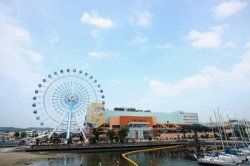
(14, 35)
(100, 54)
(209, 79)
(164, 46)
(19, 64)
(20, 70)
(209, 39)
(235, 78)
(139, 40)
(161, 89)
(228, 8)
(95, 34)
(55, 39)
(93, 19)
(247, 45)
(35, 57)
(230, 44)
(113, 82)
(144, 19)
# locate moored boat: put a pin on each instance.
(218, 159)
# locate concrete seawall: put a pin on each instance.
(108, 147)
(98, 147)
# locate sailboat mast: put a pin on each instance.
(223, 127)
(219, 129)
(213, 133)
(232, 129)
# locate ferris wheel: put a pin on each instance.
(62, 99)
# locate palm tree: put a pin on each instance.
(111, 135)
(17, 134)
(23, 134)
(97, 132)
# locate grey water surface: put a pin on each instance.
(157, 158)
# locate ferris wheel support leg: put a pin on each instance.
(82, 130)
(71, 105)
(54, 130)
(60, 123)
(83, 134)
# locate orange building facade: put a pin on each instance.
(126, 120)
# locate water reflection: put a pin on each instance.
(162, 158)
(156, 158)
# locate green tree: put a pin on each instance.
(111, 135)
(23, 134)
(116, 138)
(123, 133)
(17, 134)
(97, 132)
(92, 140)
(69, 141)
(37, 141)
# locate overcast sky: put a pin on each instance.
(161, 55)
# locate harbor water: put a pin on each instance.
(156, 158)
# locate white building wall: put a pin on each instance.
(188, 117)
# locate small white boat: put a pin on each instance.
(232, 158)
(246, 151)
(210, 160)
(218, 159)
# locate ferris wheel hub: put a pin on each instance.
(71, 97)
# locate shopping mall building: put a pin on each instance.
(142, 124)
